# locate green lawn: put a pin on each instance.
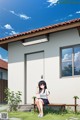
(48, 116)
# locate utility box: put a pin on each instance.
(4, 116)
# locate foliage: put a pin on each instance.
(76, 97)
(34, 97)
(13, 99)
(67, 71)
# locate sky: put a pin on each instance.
(18, 16)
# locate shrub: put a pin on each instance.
(13, 99)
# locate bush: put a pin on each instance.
(13, 99)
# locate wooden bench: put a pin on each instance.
(55, 105)
(63, 106)
(51, 105)
(73, 105)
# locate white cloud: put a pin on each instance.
(22, 16)
(3, 58)
(77, 12)
(13, 32)
(67, 57)
(77, 57)
(52, 2)
(12, 12)
(77, 60)
(70, 15)
(8, 26)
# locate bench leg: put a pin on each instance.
(62, 108)
(34, 108)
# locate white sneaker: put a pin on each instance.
(40, 115)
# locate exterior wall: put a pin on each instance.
(4, 74)
(62, 89)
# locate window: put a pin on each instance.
(70, 61)
(1, 75)
(77, 61)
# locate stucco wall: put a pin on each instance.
(62, 89)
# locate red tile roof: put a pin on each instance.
(41, 29)
(3, 64)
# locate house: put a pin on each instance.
(3, 79)
(51, 53)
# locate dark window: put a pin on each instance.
(70, 61)
(1, 75)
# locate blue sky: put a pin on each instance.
(22, 15)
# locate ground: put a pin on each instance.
(48, 116)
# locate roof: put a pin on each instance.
(41, 31)
(3, 64)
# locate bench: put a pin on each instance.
(51, 105)
(63, 106)
(73, 105)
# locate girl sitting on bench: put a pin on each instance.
(42, 97)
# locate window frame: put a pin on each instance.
(65, 47)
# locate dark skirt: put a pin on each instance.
(46, 102)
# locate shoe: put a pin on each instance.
(40, 115)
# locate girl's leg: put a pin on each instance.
(37, 103)
(41, 106)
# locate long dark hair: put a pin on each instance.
(42, 83)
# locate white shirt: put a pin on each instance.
(43, 94)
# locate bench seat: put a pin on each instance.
(56, 105)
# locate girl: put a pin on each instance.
(42, 97)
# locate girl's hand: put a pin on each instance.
(38, 95)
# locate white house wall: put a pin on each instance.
(62, 89)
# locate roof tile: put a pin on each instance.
(40, 29)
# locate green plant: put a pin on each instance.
(13, 99)
(34, 97)
(76, 97)
(75, 102)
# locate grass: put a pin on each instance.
(47, 116)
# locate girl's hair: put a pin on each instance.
(42, 83)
